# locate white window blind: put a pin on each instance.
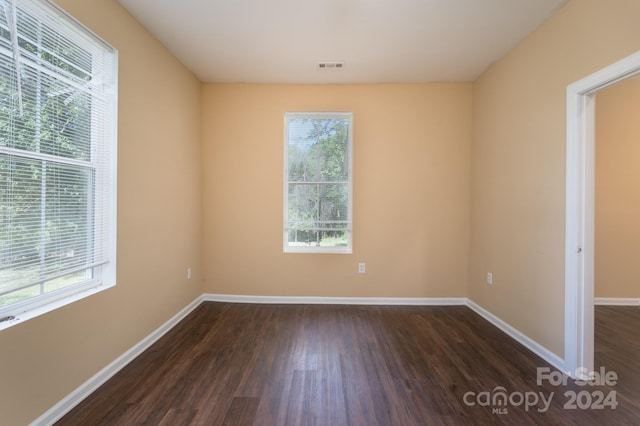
(318, 182)
(57, 156)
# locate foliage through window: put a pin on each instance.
(57, 157)
(318, 182)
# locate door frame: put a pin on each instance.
(580, 207)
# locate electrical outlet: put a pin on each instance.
(188, 273)
(489, 278)
(361, 268)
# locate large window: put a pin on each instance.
(57, 160)
(318, 182)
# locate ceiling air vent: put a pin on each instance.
(328, 65)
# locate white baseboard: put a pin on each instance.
(56, 412)
(616, 301)
(304, 300)
(518, 336)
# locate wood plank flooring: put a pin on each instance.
(240, 364)
(617, 348)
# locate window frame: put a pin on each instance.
(100, 276)
(287, 248)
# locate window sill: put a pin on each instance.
(319, 250)
(30, 312)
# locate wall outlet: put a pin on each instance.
(361, 268)
(188, 273)
(489, 278)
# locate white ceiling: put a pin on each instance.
(380, 41)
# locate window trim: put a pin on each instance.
(104, 275)
(348, 249)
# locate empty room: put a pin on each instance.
(338, 212)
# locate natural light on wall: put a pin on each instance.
(318, 182)
(58, 90)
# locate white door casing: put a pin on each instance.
(580, 207)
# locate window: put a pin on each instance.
(57, 160)
(318, 182)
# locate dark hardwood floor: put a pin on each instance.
(239, 364)
(617, 348)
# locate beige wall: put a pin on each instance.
(159, 232)
(518, 162)
(617, 237)
(411, 191)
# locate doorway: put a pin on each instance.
(580, 206)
